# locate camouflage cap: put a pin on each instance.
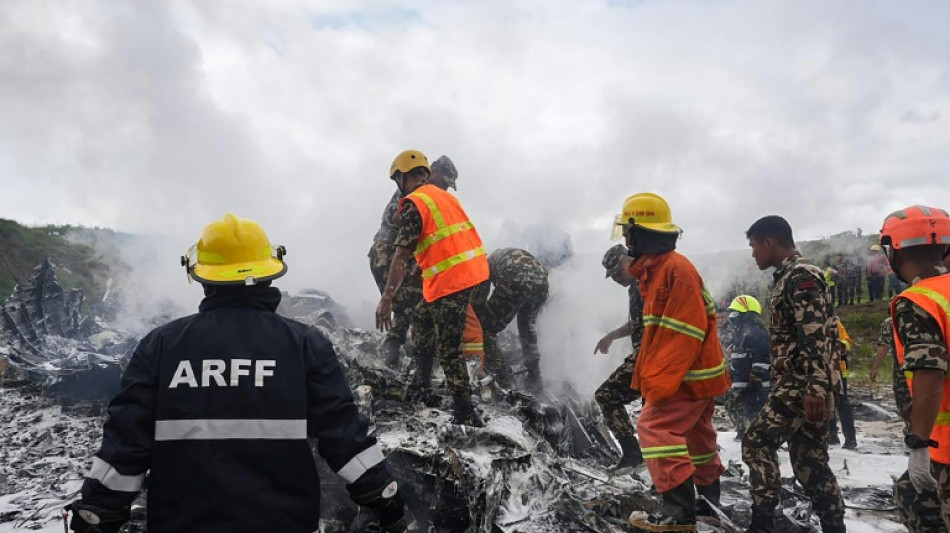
(443, 165)
(611, 259)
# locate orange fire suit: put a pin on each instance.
(680, 370)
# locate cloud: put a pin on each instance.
(159, 117)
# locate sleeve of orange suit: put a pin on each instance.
(679, 337)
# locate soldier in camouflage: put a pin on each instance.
(914, 241)
(409, 296)
(438, 325)
(920, 511)
(615, 393)
(519, 288)
(803, 383)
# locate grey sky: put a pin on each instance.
(158, 117)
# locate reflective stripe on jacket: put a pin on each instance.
(450, 252)
(933, 296)
(217, 408)
(473, 338)
(680, 349)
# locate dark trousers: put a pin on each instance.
(876, 287)
(845, 412)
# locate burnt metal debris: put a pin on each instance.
(45, 339)
(538, 466)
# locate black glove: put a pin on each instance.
(386, 503)
(88, 518)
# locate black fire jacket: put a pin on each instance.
(750, 354)
(216, 407)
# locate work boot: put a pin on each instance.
(710, 496)
(420, 387)
(850, 444)
(678, 512)
(464, 414)
(833, 439)
(763, 520)
(533, 381)
(389, 352)
(832, 523)
(632, 457)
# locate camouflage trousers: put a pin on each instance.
(743, 406)
(783, 420)
(614, 394)
(844, 290)
(408, 297)
(921, 511)
(495, 312)
(438, 327)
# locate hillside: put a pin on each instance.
(69, 247)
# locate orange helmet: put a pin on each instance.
(916, 225)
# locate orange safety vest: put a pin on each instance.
(933, 296)
(473, 339)
(680, 351)
(450, 252)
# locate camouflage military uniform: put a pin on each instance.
(520, 289)
(409, 295)
(920, 511)
(437, 326)
(615, 393)
(924, 348)
(802, 332)
(854, 281)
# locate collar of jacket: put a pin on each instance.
(789, 261)
(930, 273)
(645, 264)
(262, 297)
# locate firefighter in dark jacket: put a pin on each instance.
(217, 408)
(749, 362)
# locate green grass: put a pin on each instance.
(26, 247)
(863, 322)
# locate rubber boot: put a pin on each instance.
(420, 387)
(464, 413)
(763, 520)
(711, 493)
(533, 381)
(632, 457)
(678, 512)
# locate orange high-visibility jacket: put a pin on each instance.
(933, 296)
(450, 252)
(680, 351)
(473, 338)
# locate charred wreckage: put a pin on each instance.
(539, 465)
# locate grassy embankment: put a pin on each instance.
(863, 322)
(26, 247)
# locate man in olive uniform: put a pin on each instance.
(916, 242)
(434, 228)
(409, 295)
(519, 287)
(615, 393)
(920, 511)
(802, 331)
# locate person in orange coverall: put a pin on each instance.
(680, 369)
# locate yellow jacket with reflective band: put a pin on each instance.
(680, 350)
(450, 252)
(933, 296)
